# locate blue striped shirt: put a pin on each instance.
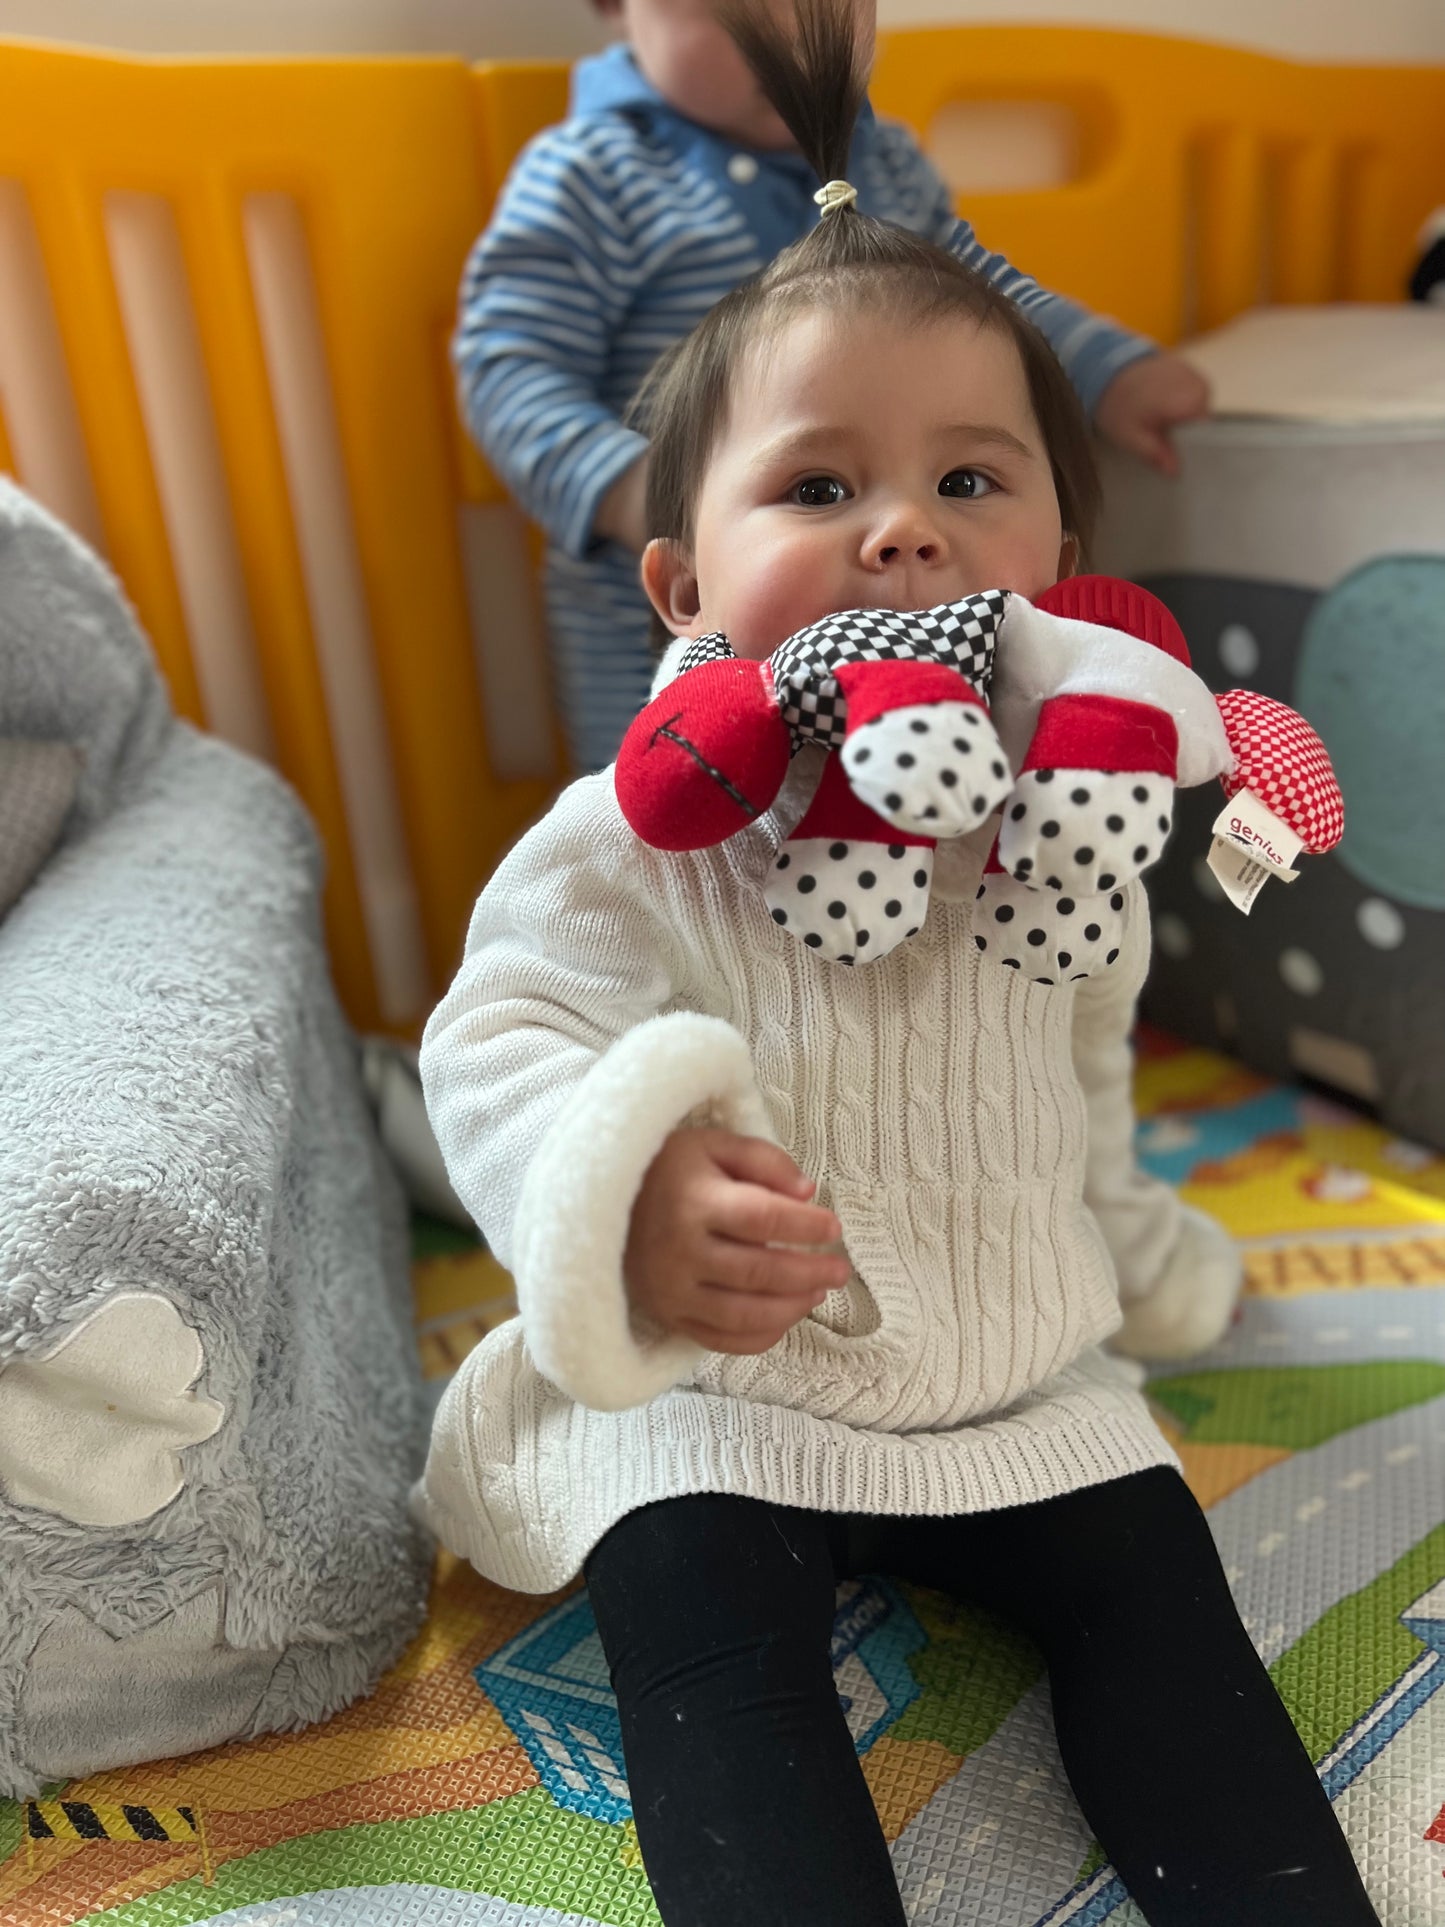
(614, 235)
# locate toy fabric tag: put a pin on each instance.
(1250, 846)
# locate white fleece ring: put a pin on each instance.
(576, 1202)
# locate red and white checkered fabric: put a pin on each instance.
(1281, 759)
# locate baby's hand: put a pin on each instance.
(701, 1256)
(1146, 401)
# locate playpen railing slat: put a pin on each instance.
(515, 100)
(210, 220)
(66, 206)
(1232, 225)
(154, 288)
(1305, 238)
(1380, 221)
(43, 428)
(394, 414)
(317, 482)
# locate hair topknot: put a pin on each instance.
(812, 65)
(816, 76)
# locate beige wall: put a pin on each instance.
(1320, 29)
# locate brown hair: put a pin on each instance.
(815, 80)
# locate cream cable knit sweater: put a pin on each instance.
(953, 1115)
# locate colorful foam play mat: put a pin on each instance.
(483, 1784)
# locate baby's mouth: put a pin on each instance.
(906, 598)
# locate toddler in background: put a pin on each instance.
(667, 1113)
(672, 180)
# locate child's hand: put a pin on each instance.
(700, 1259)
(1146, 401)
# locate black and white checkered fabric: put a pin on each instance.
(713, 648)
(961, 634)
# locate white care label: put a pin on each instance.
(1250, 846)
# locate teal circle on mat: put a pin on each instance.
(1371, 678)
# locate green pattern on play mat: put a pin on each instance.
(522, 1849)
(1293, 1407)
(973, 1672)
(1333, 1675)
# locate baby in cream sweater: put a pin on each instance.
(809, 1260)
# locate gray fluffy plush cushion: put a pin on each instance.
(209, 1402)
(38, 782)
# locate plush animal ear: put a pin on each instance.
(706, 756)
(687, 652)
(1117, 605)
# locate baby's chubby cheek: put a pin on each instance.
(761, 595)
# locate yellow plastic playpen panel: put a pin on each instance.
(249, 272)
(225, 295)
(1205, 179)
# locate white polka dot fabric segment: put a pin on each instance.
(849, 901)
(933, 769)
(1282, 760)
(1083, 832)
(1048, 938)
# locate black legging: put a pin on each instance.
(752, 1811)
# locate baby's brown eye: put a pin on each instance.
(819, 492)
(965, 484)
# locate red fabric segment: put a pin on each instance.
(1117, 605)
(872, 688)
(1281, 759)
(1104, 733)
(993, 868)
(704, 758)
(836, 812)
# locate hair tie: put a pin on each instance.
(835, 194)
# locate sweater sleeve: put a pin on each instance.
(544, 292)
(1140, 1216)
(1091, 348)
(555, 1067)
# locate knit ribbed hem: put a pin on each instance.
(1088, 1427)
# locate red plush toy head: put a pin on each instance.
(1113, 604)
(703, 760)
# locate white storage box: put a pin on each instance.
(1303, 551)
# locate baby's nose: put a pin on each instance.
(904, 532)
(924, 547)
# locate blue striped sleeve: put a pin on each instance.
(545, 290)
(1091, 348)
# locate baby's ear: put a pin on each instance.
(671, 585)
